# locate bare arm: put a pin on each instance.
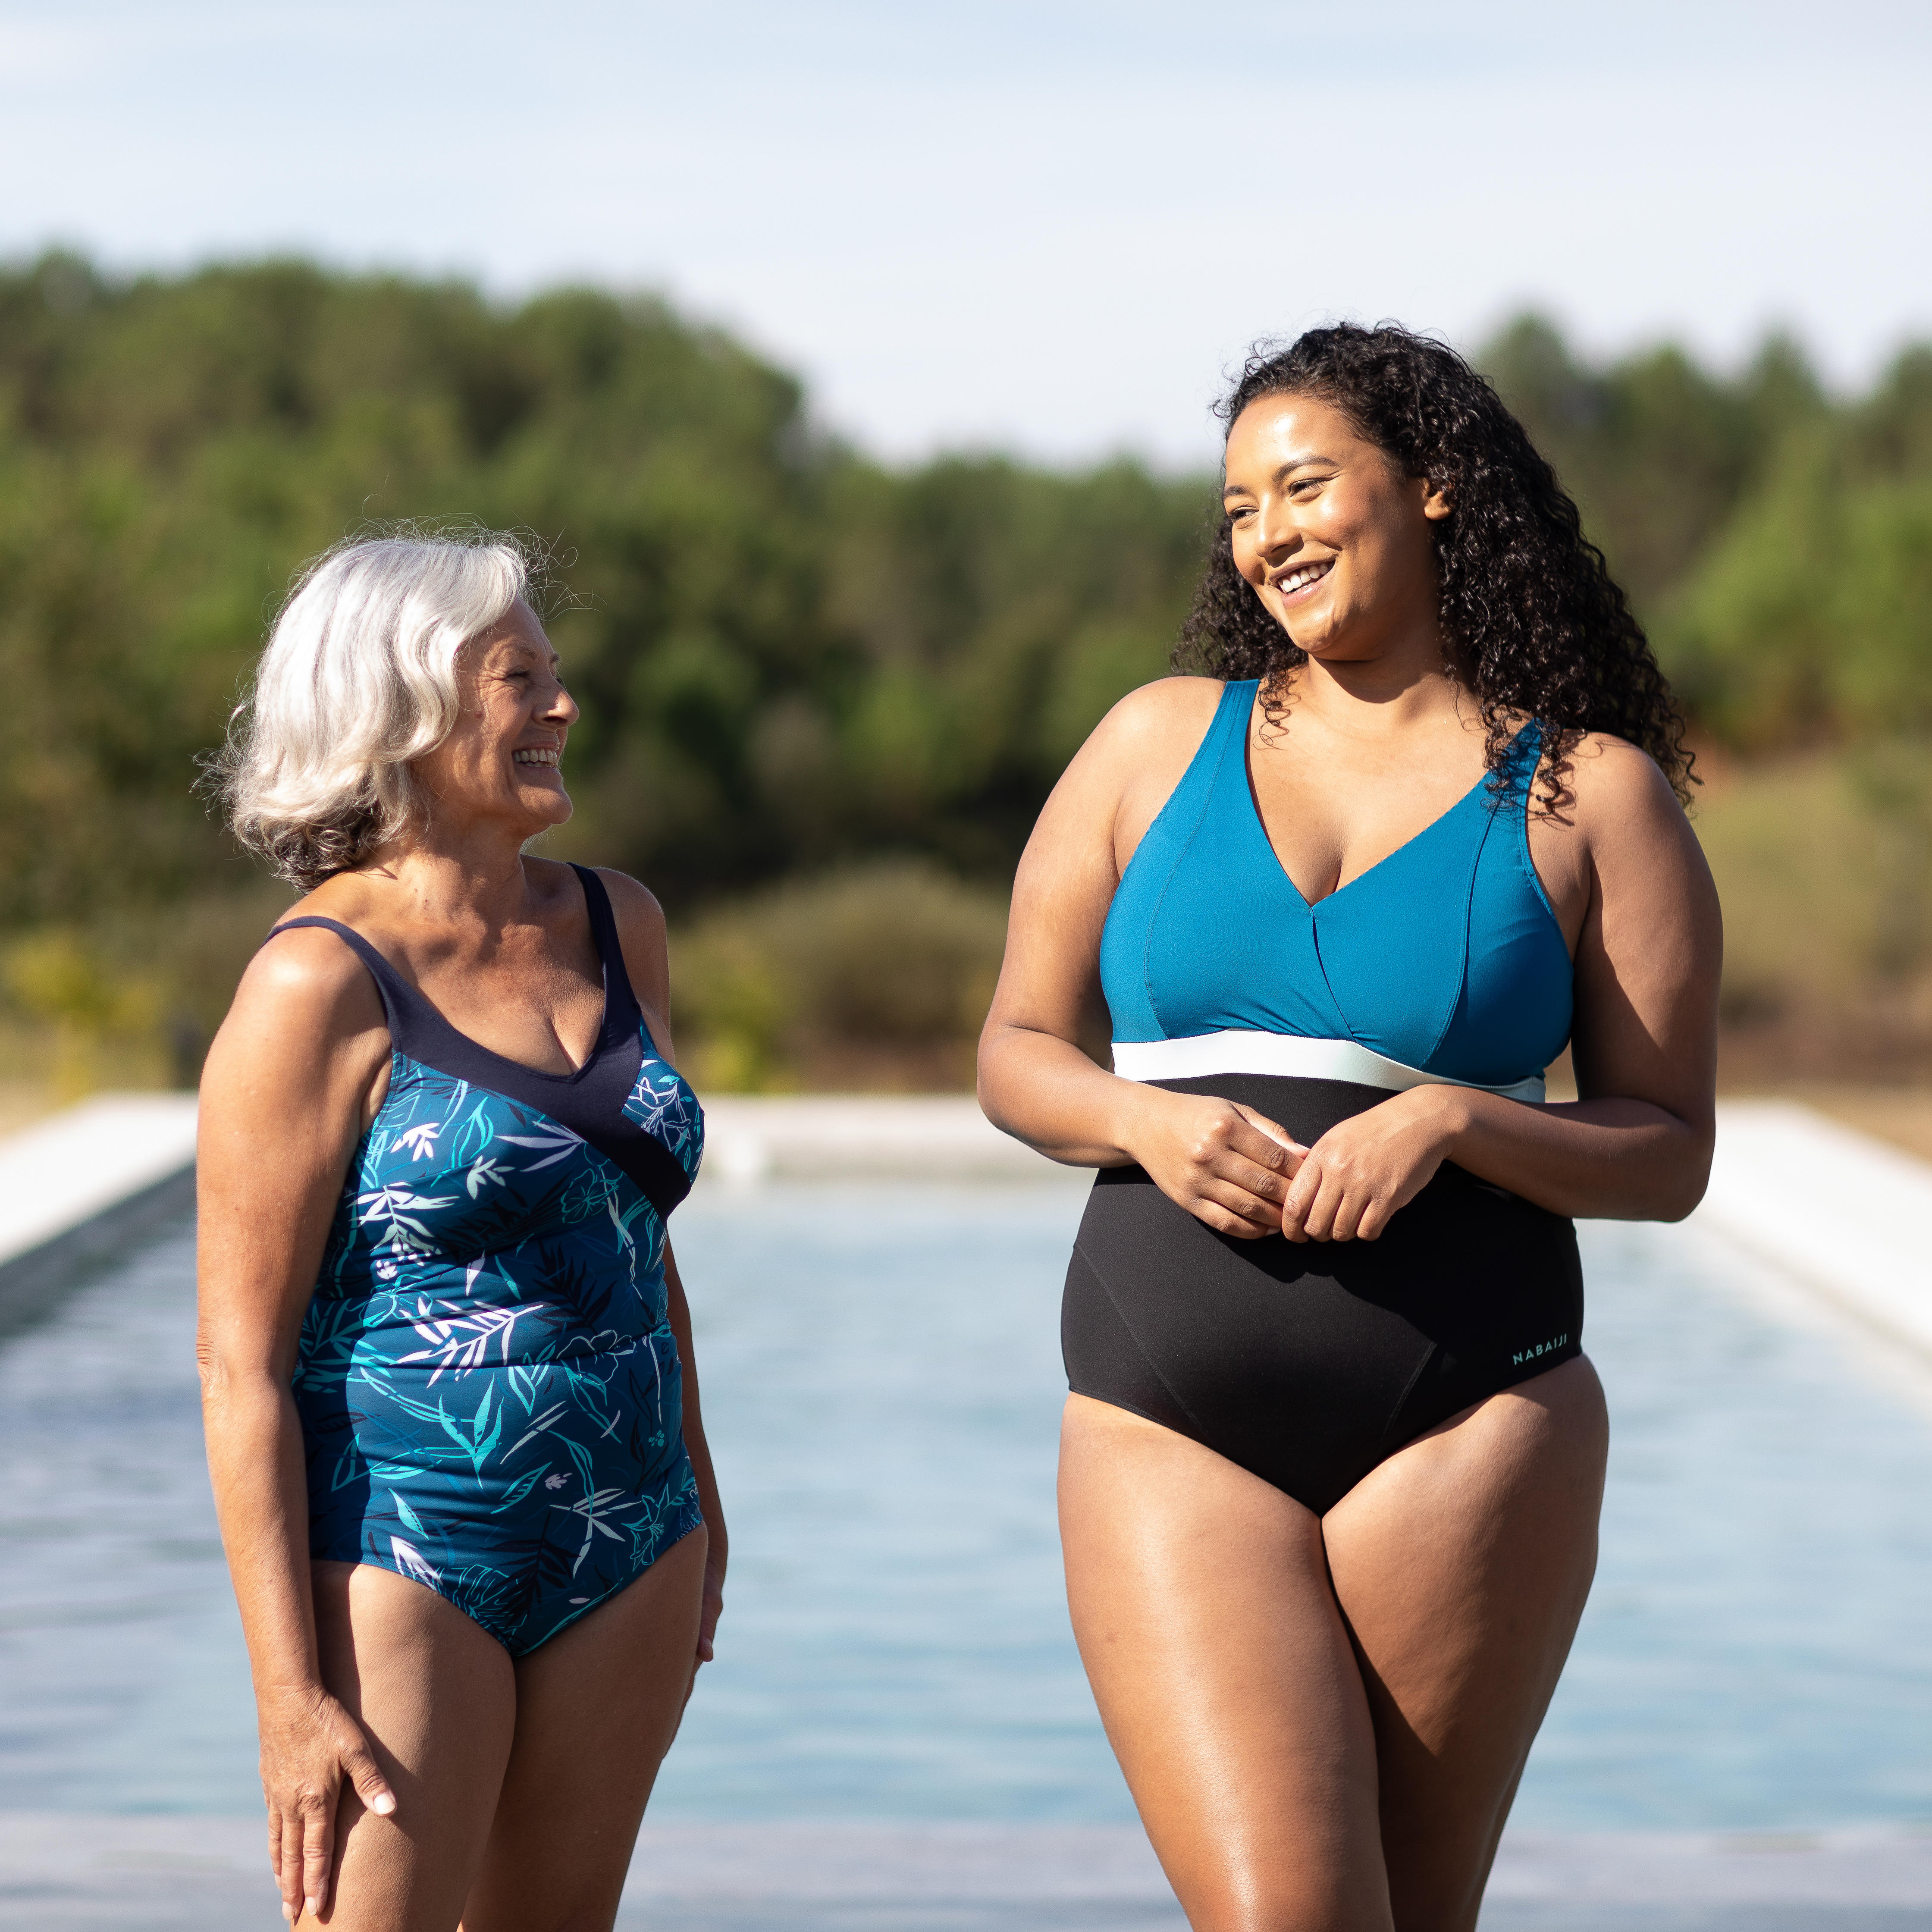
(1223, 1162)
(717, 1552)
(640, 930)
(288, 1082)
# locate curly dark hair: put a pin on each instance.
(1531, 619)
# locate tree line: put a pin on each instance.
(792, 657)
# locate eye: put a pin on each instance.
(1302, 484)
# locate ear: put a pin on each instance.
(1435, 502)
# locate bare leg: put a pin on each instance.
(1291, 1783)
(1461, 1564)
(597, 1708)
(437, 1698)
(1224, 1677)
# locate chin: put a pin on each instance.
(547, 809)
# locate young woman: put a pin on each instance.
(1331, 1467)
(452, 1413)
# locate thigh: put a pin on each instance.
(1461, 1564)
(436, 1696)
(1222, 1670)
(597, 1708)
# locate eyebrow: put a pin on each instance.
(532, 655)
(1282, 469)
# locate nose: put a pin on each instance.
(1273, 527)
(563, 707)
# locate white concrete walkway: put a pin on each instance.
(94, 1873)
(1846, 1216)
(81, 1184)
(852, 1136)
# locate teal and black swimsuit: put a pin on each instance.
(1310, 1364)
(489, 1389)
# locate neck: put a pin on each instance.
(457, 875)
(1389, 693)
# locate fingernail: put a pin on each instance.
(311, 1907)
(382, 1804)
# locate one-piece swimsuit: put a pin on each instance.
(489, 1388)
(1310, 1364)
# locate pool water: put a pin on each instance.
(882, 1386)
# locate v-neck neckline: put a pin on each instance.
(408, 990)
(1309, 905)
(598, 1046)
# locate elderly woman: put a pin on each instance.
(451, 1410)
(1331, 1465)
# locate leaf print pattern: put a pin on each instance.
(662, 1104)
(488, 1385)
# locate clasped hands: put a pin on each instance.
(1246, 1175)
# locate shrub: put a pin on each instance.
(880, 973)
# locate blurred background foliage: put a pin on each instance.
(823, 699)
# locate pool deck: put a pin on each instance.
(80, 1185)
(1841, 1213)
(112, 1874)
(1838, 1212)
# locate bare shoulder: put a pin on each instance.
(641, 932)
(640, 919)
(306, 1031)
(1646, 862)
(635, 907)
(309, 978)
(1146, 740)
(1169, 712)
(1620, 790)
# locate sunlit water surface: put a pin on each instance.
(882, 1384)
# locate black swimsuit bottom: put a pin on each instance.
(1309, 1363)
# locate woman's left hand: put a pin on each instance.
(1353, 1179)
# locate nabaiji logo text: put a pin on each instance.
(1541, 1349)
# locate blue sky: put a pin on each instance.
(1047, 227)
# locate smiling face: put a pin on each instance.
(503, 758)
(1334, 537)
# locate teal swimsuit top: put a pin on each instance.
(1442, 963)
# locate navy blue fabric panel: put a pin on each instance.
(592, 1102)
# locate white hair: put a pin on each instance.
(359, 677)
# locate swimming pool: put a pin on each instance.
(882, 1386)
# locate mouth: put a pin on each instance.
(550, 759)
(1303, 577)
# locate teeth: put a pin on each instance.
(553, 759)
(1296, 579)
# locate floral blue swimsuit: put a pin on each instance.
(488, 1387)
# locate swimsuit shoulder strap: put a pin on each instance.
(1513, 773)
(1525, 751)
(402, 1004)
(1232, 714)
(622, 1015)
(1220, 762)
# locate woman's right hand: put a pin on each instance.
(309, 1745)
(1227, 1165)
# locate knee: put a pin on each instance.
(1305, 1901)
